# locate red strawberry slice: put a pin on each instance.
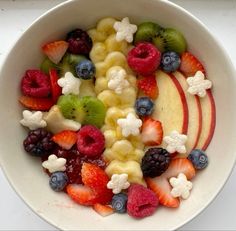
(103, 210)
(190, 65)
(55, 88)
(148, 85)
(160, 185)
(65, 139)
(152, 132)
(37, 104)
(55, 50)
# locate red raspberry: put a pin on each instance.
(91, 141)
(142, 202)
(36, 84)
(144, 59)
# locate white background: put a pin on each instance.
(220, 18)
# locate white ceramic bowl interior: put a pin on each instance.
(25, 173)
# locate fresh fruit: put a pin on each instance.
(170, 61)
(144, 58)
(79, 42)
(65, 139)
(38, 142)
(87, 88)
(37, 104)
(35, 84)
(119, 202)
(152, 132)
(55, 50)
(169, 39)
(142, 202)
(90, 141)
(190, 65)
(198, 158)
(155, 162)
(148, 85)
(58, 181)
(103, 210)
(55, 88)
(144, 106)
(85, 69)
(46, 65)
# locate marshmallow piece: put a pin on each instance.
(118, 182)
(54, 164)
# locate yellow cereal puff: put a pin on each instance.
(131, 168)
(100, 84)
(87, 88)
(110, 138)
(136, 141)
(98, 52)
(112, 115)
(128, 97)
(113, 45)
(132, 80)
(109, 98)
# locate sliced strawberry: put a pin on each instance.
(37, 104)
(190, 65)
(103, 210)
(152, 132)
(55, 50)
(55, 88)
(65, 139)
(148, 85)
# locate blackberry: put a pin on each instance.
(155, 162)
(38, 142)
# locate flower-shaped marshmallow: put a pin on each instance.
(175, 142)
(69, 84)
(125, 30)
(117, 81)
(198, 84)
(33, 120)
(54, 164)
(130, 125)
(181, 186)
(118, 182)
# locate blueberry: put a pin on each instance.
(58, 181)
(119, 202)
(144, 106)
(170, 61)
(198, 158)
(85, 69)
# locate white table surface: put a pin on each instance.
(218, 15)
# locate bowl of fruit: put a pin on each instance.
(117, 117)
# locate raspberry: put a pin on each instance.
(144, 58)
(36, 84)
(79, 42)
(91, 141)
(142, 202)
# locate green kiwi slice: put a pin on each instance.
(46, 65)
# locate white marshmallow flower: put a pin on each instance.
(54, 164)
(33, 120)
(117, 81)
(118, 182)
(130, 125)
(125, 30)
(181, 186)
(198, 84)
(70, 84)
(175, 142)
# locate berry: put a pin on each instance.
(85, 69)
(38, 142)
(119, 202)
(55, 88)
(144, 58)
(152, 132)
(170, 61)
(91, 141)
(198, 158)
(58, 181)
(103, 210)
(142, 202)
(155, 162)
(190, 65)
(65, 139)
(79, 42)
(148, 85)
(144, 106)
(37, 104)
(35, 84)
(55, 50)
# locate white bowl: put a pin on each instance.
(25, 173)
